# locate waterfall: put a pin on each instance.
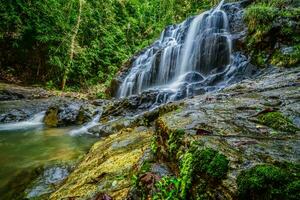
(189, 58)
(35, 122)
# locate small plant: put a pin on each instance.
(154, 146)
(146, 167)
(270, 23)
(168, 188)
(175, 141)
(101, 95)
(50, 85)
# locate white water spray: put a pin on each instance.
(35, 122)
(84, 129)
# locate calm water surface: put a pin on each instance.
(29, 144)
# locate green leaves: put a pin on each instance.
(38, 35)
(168, 188)
(272, 25)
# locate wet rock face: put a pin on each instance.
(71, 113)
(85, 113)
(6, 95)
(47, 182)
(14, 116)
(107, 168)
(20, 110)
(130, 106)
(250, 123)
(10, 92)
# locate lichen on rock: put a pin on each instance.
(108, 166)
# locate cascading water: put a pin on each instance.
(190, 58)
(35, 122)
(84, 129)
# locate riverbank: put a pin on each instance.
(9, 91)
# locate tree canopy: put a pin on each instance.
(84, 40)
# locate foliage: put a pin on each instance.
(168, 189)
(197, 161)
(36, 36)
(154, 147)
(205, 161)
(277, 121)
(269, 182)
(175, 141)
(142, 190)
(273, 26)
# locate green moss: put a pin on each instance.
(218, 167)
(212, 163)
(259, 17)
(277, 121)
(292, 190)
(268, 182)
(204, 162)
(288, 59)
(271, 26)
(196, 163)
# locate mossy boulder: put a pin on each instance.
(69, 113)
(51, 118)
(266, 182)
(278, 121)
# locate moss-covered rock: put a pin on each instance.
(108, 167)
(202, 166)
(277, 121)
(51, 117)
(269, 182)
(197, 166)
(206, 163)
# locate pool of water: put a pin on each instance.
(27, 145)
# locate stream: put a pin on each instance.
(29, 144)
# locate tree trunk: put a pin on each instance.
(72, 47)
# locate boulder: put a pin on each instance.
(67, 114)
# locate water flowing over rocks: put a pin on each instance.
(69, 113)
(197, 56)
